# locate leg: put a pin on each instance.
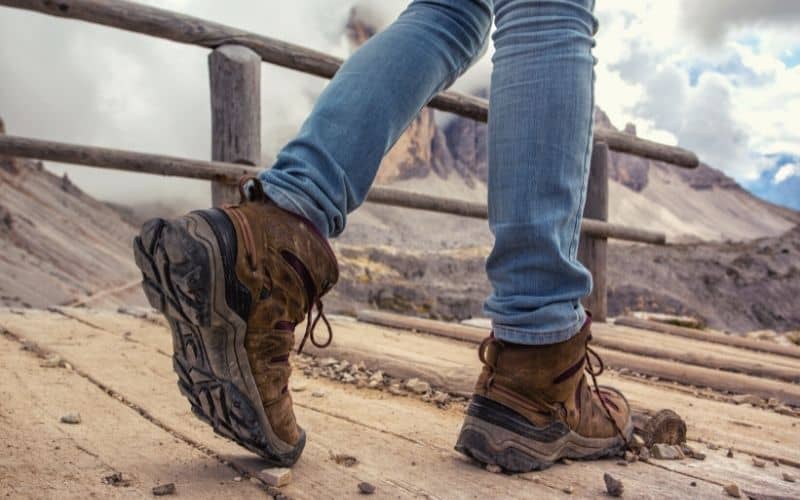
(532, 403)
(326, 171)
(234, 282)
(540, 130)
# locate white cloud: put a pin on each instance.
(786, 171)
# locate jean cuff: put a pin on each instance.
(286, 202)
(521, 336)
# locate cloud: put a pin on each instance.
(786, 171)
(711, 20)
(77, 82)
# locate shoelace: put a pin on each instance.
(590, 369)
(311, 325)
(553, 409)
(250, 252)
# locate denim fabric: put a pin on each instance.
(540, 136)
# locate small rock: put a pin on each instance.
(299, 387)
(164, 489)
(417, 386)
(377, 377)
(493, 468)
(629, 457)
(622, 463)
(237, 478)
(344, 459)
(71, 418)
(326, 362)
(318, 394)
(751, 399)
(693, 483)
(788, 477)
(663, 451)
(644, 454)
(614, 486)
(116, 480)
(699, 455)
(374, 384)
(730, 453)
(52, 361)
(440, 398)
(276, 476)
(396, 390)
(567, 489)
(773, 403)
(566, 461)
(732, 490)
(712, 446)
(347, 378)
(366, 488)
(759, 463)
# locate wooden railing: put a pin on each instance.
(235, 74)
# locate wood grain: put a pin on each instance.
(716, 338)
(593, 251)
(693, 369)
(235, 80)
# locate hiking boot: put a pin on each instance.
(233, 283)
(533, 406)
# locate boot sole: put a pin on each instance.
(494, 434)
(190, 278)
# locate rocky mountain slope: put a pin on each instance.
(57, 244)
(740, 287)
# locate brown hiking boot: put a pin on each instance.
(533, 406)
(233, 283)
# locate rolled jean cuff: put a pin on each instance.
(289, 203)
(516, 335)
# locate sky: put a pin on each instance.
(720, 77)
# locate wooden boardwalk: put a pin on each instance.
(116, 372)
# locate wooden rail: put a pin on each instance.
(229, 172)
(186, 29)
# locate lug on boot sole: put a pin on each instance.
(187, 277)
(497, 435)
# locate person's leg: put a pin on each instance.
(234, 282)
(540, 137)
(532, 403)
(326, 171)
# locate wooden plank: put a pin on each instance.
(685, 374)
(717, 338)
(432, 429)
(143, 374)
(191, 30)
(453, 366)
(128, 161)
(235, 79)
(366, 423)
(43, 458)
(592, 251)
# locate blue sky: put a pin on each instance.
(721, 77)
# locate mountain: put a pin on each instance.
(59, 245)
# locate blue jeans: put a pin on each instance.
(540, 137)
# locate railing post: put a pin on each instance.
(235, 78)
(592, 250)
